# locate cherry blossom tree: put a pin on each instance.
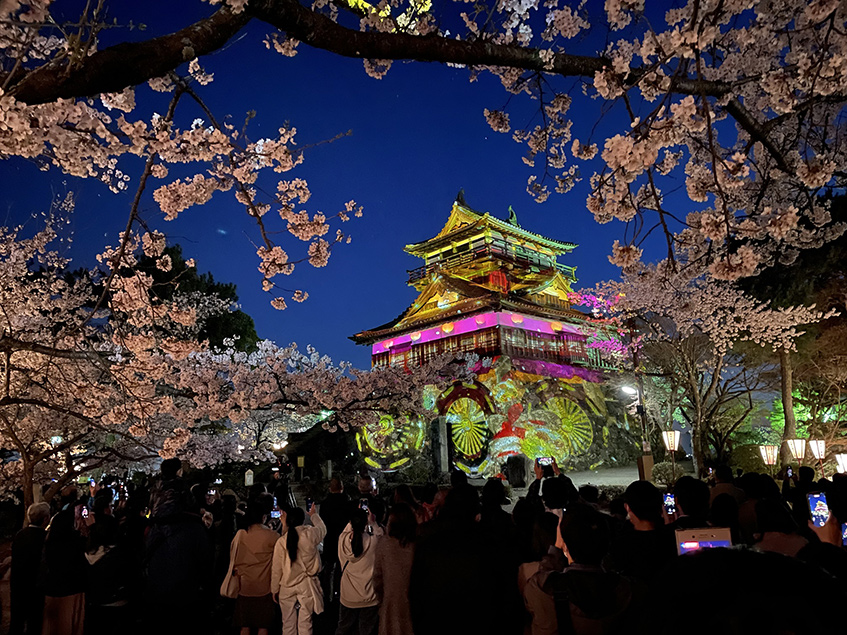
(741, 100)
(83, 373)
(98, 375)
(692, 326)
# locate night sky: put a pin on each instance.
(418, 136)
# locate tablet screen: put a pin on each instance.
(688, 540)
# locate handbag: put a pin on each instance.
(231, 586)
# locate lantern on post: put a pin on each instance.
(797, 447)
(671, 441)
(818, 447)
(769, 454)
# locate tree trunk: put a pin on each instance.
(790, 431)
(27, 484)
(697, 447)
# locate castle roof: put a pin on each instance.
(464, 221)
(445, 296)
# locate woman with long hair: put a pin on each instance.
(403, 494)
(393, 570)
(252, 555)
(359, 610)
(296, 564)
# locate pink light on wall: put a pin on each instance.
(471, 324)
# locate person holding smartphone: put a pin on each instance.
(644, 545)
(296, 565)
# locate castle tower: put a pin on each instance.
(491, 287)
(487, 286)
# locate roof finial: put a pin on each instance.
(460, 198)
(513, 218)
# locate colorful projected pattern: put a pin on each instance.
(468, 427)
(391, 442)
(478, 322)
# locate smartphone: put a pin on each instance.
(789, 472)
(275, 513)
(544, 460)
(670, 504)
(844, 534)
(818, 508)
(309, 503)
(363, 504)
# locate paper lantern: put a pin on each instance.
(415, 336)
(769, 453)
(671, 439)
(797, 448)
(556, 326)
(447, 328)
(517, 319)
(841, 460)
(818, 447)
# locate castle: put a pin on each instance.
(491, 287)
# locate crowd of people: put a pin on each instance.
(184, 558)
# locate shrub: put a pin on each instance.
(663, 473)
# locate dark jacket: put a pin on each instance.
(27, 550)
(178, 560)
(110, 576)
(591, 601)
(641, 554)
(458, 572)
(64, 557)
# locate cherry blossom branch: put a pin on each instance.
(133, 212)
(129, 63)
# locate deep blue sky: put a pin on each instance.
(419, 135)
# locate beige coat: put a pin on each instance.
(254, 550)
(357, 579)
(300, 578)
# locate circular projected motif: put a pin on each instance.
(391, 442)
(468, 427)
(574, 425)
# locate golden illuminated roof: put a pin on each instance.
(463, 221)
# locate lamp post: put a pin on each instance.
(769, 454)
(671, 441)
(818, 447)
(645, 463)
(841, 461)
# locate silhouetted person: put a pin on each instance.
(588, 599)
(644, 545)
(393, 571)
(459, 582)
(179, 557)
(724, 485)
(692, 501)
(335, 512)
(812, 607)
(27, 599)
(64, 557)
(724, 513)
